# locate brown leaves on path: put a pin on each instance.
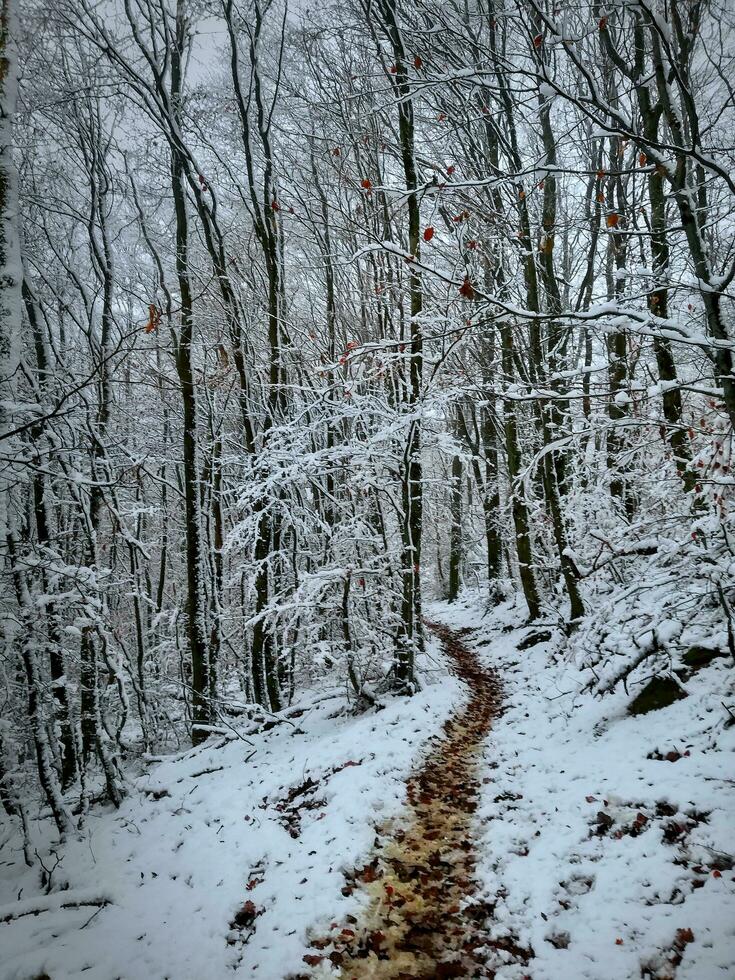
(421, 920)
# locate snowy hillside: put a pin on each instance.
(603, 842)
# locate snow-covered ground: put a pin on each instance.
(607, 860)
(206, 833)
(604, 856)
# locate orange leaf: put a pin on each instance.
(612, 220)
(154, 318)
(642, 158)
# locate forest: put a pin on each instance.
(367, 549)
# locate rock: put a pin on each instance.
(659, 692)
(532, 639)
(698, 656)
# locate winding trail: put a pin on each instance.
(421, 919)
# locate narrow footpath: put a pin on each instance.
(422, 920)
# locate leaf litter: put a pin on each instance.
(421, 918)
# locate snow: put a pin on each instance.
(557, 759)
(175, 860)
(597, 851)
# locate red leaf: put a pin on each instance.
(246, 915)
(466, 289)
(428, 234)
(366, 183)
(472, 244)
(442, 116)
(154, 318)
(393, 69)
(275, 206)
(450, 170)
(538, 41)
(336, 151)
(716, 873)
(602, 23)
(311, 960)
(618, 942)
(590, 799)
(417, 62)
(612, 220)
(642, 159)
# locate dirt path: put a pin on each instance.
(421, 920)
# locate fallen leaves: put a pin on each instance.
(419, 922)
(246, 915)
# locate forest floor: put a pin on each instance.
(421, 920)
(500, 823)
